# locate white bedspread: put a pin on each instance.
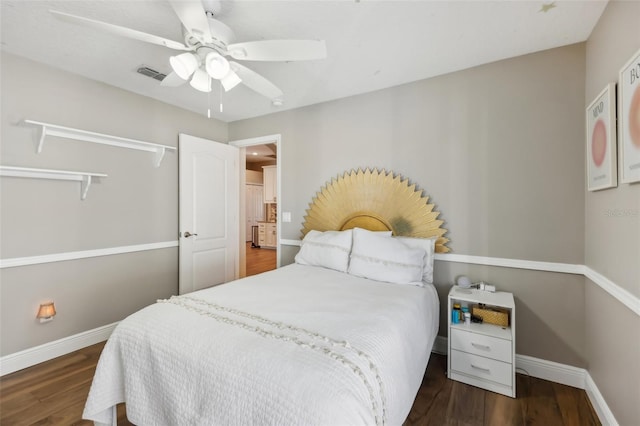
(300, 345)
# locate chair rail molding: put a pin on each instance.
(625, 297)
(73, 255)
(628, 299)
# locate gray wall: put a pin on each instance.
(136, 204)
(499, 148)
(612, 241)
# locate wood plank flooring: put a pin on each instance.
(51, 393)
(259, 260)
(54, 393)
(441, 401)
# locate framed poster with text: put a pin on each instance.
(602, 171)
(629, 120)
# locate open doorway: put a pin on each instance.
(261, 208)
(259, 204)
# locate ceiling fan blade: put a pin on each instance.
(278, 50)
(220, 31)
(120, 31)
(172, 80)
(194, 18)
(255, 81)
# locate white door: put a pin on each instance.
(209, 229)
(254, 207)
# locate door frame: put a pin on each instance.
(242, 144)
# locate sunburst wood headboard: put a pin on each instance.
(375, 200)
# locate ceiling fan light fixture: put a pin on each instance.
(201, 81)
(230, 81)
(216, 65)
(184, 64)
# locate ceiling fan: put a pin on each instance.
(207, 47)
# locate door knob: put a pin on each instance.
(189, 234)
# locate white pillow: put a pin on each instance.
(329, 249)
(378, 257)
(381, 233)
(429, 247)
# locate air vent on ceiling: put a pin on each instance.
(150, 72)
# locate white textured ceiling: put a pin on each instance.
(371, 44)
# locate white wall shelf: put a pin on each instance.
(87, 136)
(85, 178)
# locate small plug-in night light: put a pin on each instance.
(46, 312)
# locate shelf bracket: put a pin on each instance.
(43, 134)
(84, 186)
(160, 151)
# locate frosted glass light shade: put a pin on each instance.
(230, 81)
(184, 64)
(216, 65)
(201, 81)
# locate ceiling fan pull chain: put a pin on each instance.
(221, 108)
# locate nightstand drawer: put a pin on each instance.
(481, 367)
(479, 344)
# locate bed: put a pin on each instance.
(340, 337)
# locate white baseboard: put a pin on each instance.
(440, 346)
(558, 373)
(45, 352)
(599, 404)
(552, 371)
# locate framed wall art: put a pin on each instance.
(629, 120)
(602, 169)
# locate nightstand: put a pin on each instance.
(483, 355)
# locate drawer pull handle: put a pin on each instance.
(480, 368)
(479, 346)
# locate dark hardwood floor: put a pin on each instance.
(51, 393)
(259, 260)
(441, 401)
(54, 393)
